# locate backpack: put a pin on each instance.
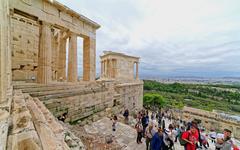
(181, 141)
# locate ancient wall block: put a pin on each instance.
(50, 9)
(4, 124)
(28, 2)
(25, 41)
(78, 22)
(66, 17)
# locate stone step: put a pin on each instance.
(68, 93)
(48, 137)
(61, 91)
(62, 135)
(35, 85)
(23, 134)
(49, 88)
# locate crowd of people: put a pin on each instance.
(188, 134)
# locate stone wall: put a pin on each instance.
(25, 45)
(82, 101)
(210, 120)
(131, 95)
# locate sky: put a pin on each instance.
(172, 37)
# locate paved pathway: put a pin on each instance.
(124, 135)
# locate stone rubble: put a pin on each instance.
(34, 127)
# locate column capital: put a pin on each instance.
(45, 23)
(72, 33)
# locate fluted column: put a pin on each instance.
(72, 59)
(114, 68)
(102, 69)
(44, 59)
(136, 70)
(89, 59)
(61, 74)
(105, 68)
(110, 68)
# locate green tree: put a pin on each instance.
(153, 101)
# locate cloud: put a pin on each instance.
(198, 36)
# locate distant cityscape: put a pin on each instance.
(197, 80)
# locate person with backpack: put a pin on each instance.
(149, 133)
(168, 138)
(157, 140)
(177, 129)
(145, 120)
(213, 135)
(204, 140)
(139, 129)
(224, 143)
(189, 138)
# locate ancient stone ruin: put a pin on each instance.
(39, 84)
(210, 120)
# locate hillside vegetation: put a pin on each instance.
(208, 97)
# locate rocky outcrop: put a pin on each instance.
(34, 127)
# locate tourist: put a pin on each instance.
(191, 138)
(139, 116)
(149, 134)
(139, 129)
(63, 117)
(144, 123)
(196, 123)
(152, 116)
(159, 117)
(163, 124)
(168, 138)
(235, 147)
(212, 135)
(177, 129)
(114, 123)
(182, 129)
(126, 114)
(157, 140)
(204, 141)
(224, 142)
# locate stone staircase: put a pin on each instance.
(34, 127)
(54, 91)
(79, 100)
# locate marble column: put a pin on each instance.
(55, 53)
(4, 47)
(44, 74)
(102, 69)
(114, 68)
(136, 70)
(110, 68)
(105, 68)
(89, 59)
(61, 73)
(72, 59)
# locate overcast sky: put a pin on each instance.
(172, 37)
